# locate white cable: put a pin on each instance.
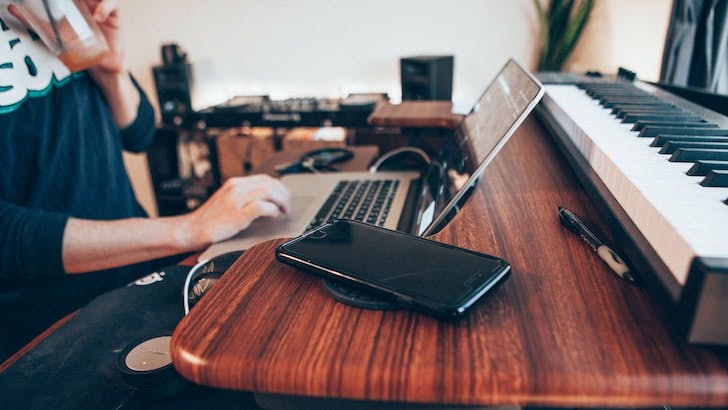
(375, 167)
(186, 288)
(309, 165)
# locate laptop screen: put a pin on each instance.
(502, 107)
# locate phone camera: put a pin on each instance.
(321, 234)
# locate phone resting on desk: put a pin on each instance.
(418, 273)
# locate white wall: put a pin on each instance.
(328, 47)
(333, 47)
(624, 33)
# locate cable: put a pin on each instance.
(188, 280)
(216, 265)
(375, 167)
(309, 164)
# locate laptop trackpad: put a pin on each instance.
(284, 223)
(264, 229)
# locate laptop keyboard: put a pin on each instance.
(361, 200)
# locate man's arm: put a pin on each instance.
(30, 241)
(140, 133)
(90, 245)
(36, 243)
(122, 96)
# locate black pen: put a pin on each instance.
(575, 225)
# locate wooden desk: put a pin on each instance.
(562, 331)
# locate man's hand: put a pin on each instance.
(111, 74)
(106, 15)
(234, 207)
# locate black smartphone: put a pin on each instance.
(418, 273)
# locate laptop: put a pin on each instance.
(406, 201)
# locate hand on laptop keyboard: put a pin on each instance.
(233, 208)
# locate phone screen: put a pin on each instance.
(405, 264)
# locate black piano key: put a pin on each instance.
(671, 146)
(614, 91)
(622, 96)
(628, 93)
(701, 168)
(695, 154)
(633, 118)
(613, 87)
(661, 107)
(605, 84)
(655, 130)
(625, 97)
(624, 91)
(623, 112)
(661, 140)
(621, 93)
(672, 123)
(716, 179)
(647, 103)
(643, 107)
(641, 104)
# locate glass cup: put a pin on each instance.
(67, 28)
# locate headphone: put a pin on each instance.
(317, 160)
(203, 276)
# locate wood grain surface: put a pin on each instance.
(563, 330)
(415, 114)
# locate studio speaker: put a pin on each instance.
(173, 80)
(427, 77)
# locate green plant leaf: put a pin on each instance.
(561, 27)
(559, 19)
(573, 32)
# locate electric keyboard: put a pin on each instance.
(658, 165)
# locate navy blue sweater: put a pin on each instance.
(61, 157)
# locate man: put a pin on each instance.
(66, 203)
